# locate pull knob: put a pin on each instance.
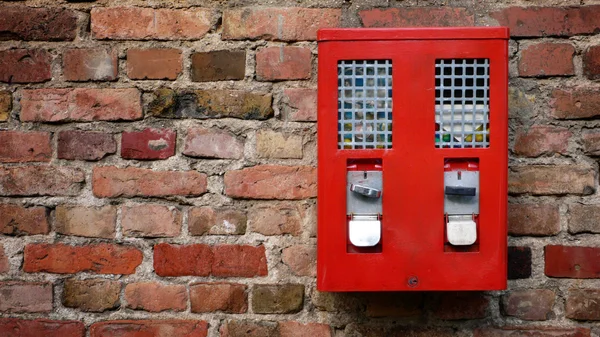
(368, 192)
(462, 191)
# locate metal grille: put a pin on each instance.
(365, 104)
(462, 110)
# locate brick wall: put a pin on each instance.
(157, 172)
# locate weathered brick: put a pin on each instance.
(40, 180)
(25, 66)
(156, 297)
(154, 64)
(212, 143)
(548, 21)
(299, 105)
(529, 304)
(17, 220)
(272, 182)
(417, 17)
(583, 304)
(283, 24)
(394, 304)
(283, 63)
(572, 261)
(219, 65)
(584, 218)
(150, 328)
(233, 328)
(25, 297)
(38, 24)
(111, 182)
(86, 221)
(135, 23)
(531, 331)
(301, 259)
(85, 145)
(337, 302)
(591, 143)
(551, 180)
(207, 220)
(575, 103)
(542, 139)
(519, 263)
(533, 219)
(591, 62)
(147, 220)
(80, 104)
(15, 327)
(148, 144)
(297, 329)
(547, 59)
(100, 258)
(211, 104)
(191, 260)
(25, 146)
(225, 297)
(277, 299)
(5, 105)
(239, 260)
(4, 262)
(354, 329)
(94, 295)
(90, 64)
(275, 219)
(272, 144)
(461, 305)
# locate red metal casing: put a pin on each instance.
(413, 255)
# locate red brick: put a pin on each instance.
(25, 297)
(531, 331)
(225, 297)
(583, 304)
(584, 218)
(394, 304)
(86, 221)
(4, 262)
(149, 328)
(551, 180)
(148, 144)
(575, 103)
(28, 23)
(284, 24)
(134, 23)
(283, 63)
(156, 297)
(80, 104)
(591, 143)
(147, 220)
(301, 259)
(273, 144)
(238, 260)
(15, 327)
(100, 258)
(17, 220)
(191, 260)
(533, 219)
(417, 17)
(591, 62)
(461, 305)
(219, 65)
(154, 64)
(233, 328)
(40, 180)
(207, 220)
(25, 66)
(519, 263)
(212, 143)
(547, 59)
(548, 21)
(529, 304)
(85, 145)
(275, 219)
(93, 64)
(572, 261)
(299, 105)
(542, 139)
(25, 146)
(277, 298)
(272, 182)
(111, 182)
(297, 329)
(92, 295)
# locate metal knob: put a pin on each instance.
(368, 192)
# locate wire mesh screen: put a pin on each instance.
(365, 104)
(462, 109)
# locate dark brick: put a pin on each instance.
(38, 24)
(93, 295)
(519, 263)
(218, 66)
(277, 299)
(24, 66)
(591, 63)
(460, 305)
(85, 145)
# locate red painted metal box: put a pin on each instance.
(412, 147)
